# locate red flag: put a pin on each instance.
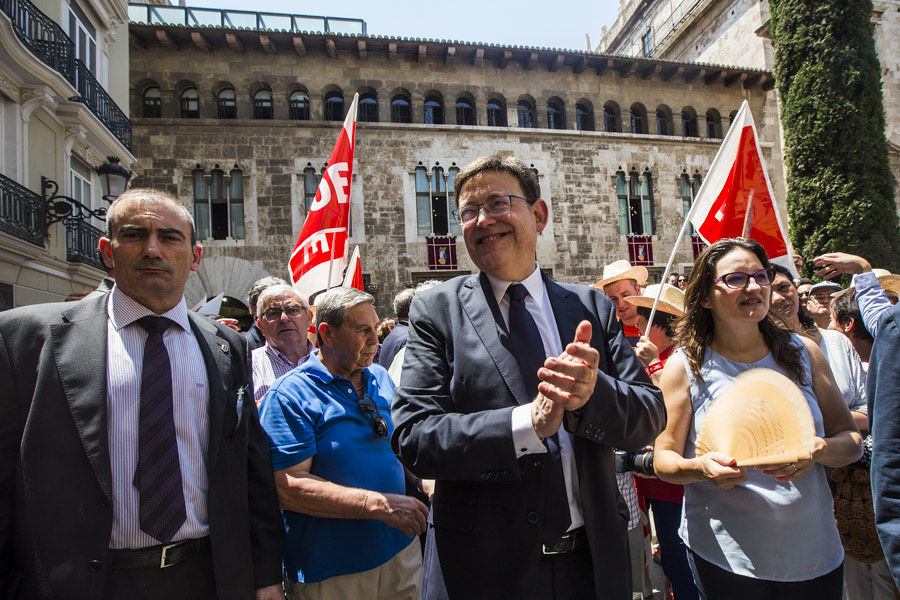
(320, 254)
(353, 277)
(736, 199)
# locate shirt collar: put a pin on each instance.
(534, 283)
(317, 370)
(123, 311)
(275, 352)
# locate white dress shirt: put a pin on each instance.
(190, 390)
(524, 437)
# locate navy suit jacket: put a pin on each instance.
(452, 415)
(883, 388)
(55, 478)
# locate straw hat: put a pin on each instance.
(619, 270)
(888, 281)
(671, 301)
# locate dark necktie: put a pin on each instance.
(525, 339)
(158, 474)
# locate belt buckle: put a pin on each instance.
(164, 555)
(563, 546)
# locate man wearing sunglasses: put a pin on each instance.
(524, 507)
(284, 317)
(350, 530)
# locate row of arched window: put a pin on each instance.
(434, 111)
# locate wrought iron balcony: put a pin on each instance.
(82, 240)
(22, 212)
(48, 42)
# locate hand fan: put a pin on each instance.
(761, 419)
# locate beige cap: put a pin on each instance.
(619, 270)
(670, 301)
(888, 281)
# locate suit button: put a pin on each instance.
(104, 502)
(94, 566)
(485, 476)
(533, 517)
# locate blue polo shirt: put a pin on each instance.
(310, 413)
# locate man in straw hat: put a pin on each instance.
(654, 348)
(621, 280)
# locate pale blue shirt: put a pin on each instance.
(871, 299)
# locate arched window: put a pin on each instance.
(190, 104)
(368, 107)
(298, 106)
(496, 112)
(689, 189)
(636, 211)
(434, 197)
(334, 106)
(638, 119)
(584, 117)
(218, 203)
(689, 122)
(434, 110)
(465, 111)
(401, 109)
(525, 113)
(611, 121)
(310, 185)
(225, 104)
(556, 114)
(262, 104)
(663, 120)
(713, 124)
(152, 103)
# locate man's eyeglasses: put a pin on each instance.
(495, 207)
(821, 299)
(291, 310)
(739, 280)
(379, 425)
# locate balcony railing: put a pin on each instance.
(82, 240)
(49, 43)
(22, 212)
(154, 14)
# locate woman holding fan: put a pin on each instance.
(751, 533)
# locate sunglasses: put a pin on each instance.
(379, 425)
(739, 280)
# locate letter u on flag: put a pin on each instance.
(736, 199)
(320, 254)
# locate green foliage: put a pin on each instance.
(840, 188)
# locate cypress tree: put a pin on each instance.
(840, 190)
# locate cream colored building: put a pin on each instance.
(63, 111)
(238, 123)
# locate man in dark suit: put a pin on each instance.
(132, 462)
(396, 339)
(523, 507)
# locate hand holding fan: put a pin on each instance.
(761, 419)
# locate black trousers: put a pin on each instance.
(191, 579)
(566, 576)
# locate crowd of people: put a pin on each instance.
(499, 435)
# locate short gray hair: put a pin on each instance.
(273, 291)
(332, 306)
(401, 303)
(146, 194)
(261, 284)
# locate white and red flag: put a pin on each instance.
(736, 198)
(353, 277)
(320, 254)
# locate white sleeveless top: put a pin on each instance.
(762, 528)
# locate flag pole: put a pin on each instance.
(684, 226)
(748, 217)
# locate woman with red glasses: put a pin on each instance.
(752, 534)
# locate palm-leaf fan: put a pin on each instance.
(761, 419)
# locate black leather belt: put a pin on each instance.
(571, 542)
(158, 557)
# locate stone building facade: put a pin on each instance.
(63, 111)
(605, 134)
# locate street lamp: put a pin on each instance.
(114, 178)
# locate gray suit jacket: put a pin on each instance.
(55, 479)
(452, 423)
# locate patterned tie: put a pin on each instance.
(158, 474)
(525, 338)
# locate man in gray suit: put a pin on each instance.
(132, 462)
(515, 391)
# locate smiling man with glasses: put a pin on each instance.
(284, 317)
(349, 527)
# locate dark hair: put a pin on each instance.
(402, 302)
(694, 330)
(112, 213)
(503, 163)
(806, 320)
(844, 308)
(660, 319)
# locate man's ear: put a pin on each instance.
(847, 325)
(106, 252)
(195, 256)
(541, 214)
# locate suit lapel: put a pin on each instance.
(79, 350)
(217, 359)
(567, 310)
(477, 300)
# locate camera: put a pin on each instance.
(639, 462)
